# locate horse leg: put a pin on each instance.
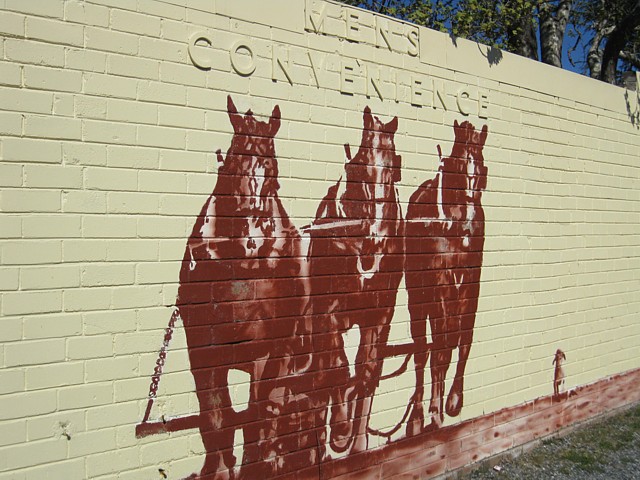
(366, 381)
(440, 357)
(440, 361)
(255, 423)
(415, 424)
(217, 436)
(455, 399)
(336, 379)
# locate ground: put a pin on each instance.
(606, 449)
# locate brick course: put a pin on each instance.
(110, 119)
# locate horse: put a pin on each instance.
(242, 295)
(444, 246)
(356, 256)
(558, 375)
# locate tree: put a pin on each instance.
(607, 32)
(614, 26)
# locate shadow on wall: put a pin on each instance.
(259, 296)
(632, 101)
(493, 54)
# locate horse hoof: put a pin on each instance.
(341, 436)
(415, 424)
(340, 442)
(454, 404)
(360, 444)
(432, 427)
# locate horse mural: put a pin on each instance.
(444, 245)
(242, 298)
(260, 297)
(356, 262)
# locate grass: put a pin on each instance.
(589, 449)
(584, 461)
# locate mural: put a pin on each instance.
(558, 375)
(261, 297)
(356, 263)
(242, 263)
(444, 244)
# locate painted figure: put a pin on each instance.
(558, 374)
(444, 245)
(261, 300)
(356, 262)
(242, 298)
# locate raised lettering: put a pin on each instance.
(280, 63)
(198, 52)
(316, 67)
(417, 92)
(353, 25)
(439, 94)
(463, 101)
(373, 82)
(348, 76)
(396, 86)
(483, 104)
(382, 33)
(317, 18)
(242, 58)
(413, 36)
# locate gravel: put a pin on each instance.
(607, 449)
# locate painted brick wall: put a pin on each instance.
(312, 308)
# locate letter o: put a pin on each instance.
(239, 64)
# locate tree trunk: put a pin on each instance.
(617, 41)
(520, 30)
(594, 55)
(553, 23)
(529, 40)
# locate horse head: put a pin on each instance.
(374, 170)
(377, 153)
(463, 171)
(250, 167)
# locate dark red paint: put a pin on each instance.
(356, 258)
(444, 245)
(558, 374)
(259, 296)
(242, 299)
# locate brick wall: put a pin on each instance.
(304, 354)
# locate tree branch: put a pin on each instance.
(617, 41)
(630, 58)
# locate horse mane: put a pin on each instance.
(466, 138)
(251, 137)
(372, 126)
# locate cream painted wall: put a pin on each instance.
(108, 139)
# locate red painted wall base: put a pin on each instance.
(450, 448)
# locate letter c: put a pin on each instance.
(197, 53)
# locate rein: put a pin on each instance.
(162, 356)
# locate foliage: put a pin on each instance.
(605, 33)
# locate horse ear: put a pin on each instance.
(393, 125)
(483, 135)
(234, 116)
(368, 118)
(274, 121)
(231, 108)
(347, 151)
